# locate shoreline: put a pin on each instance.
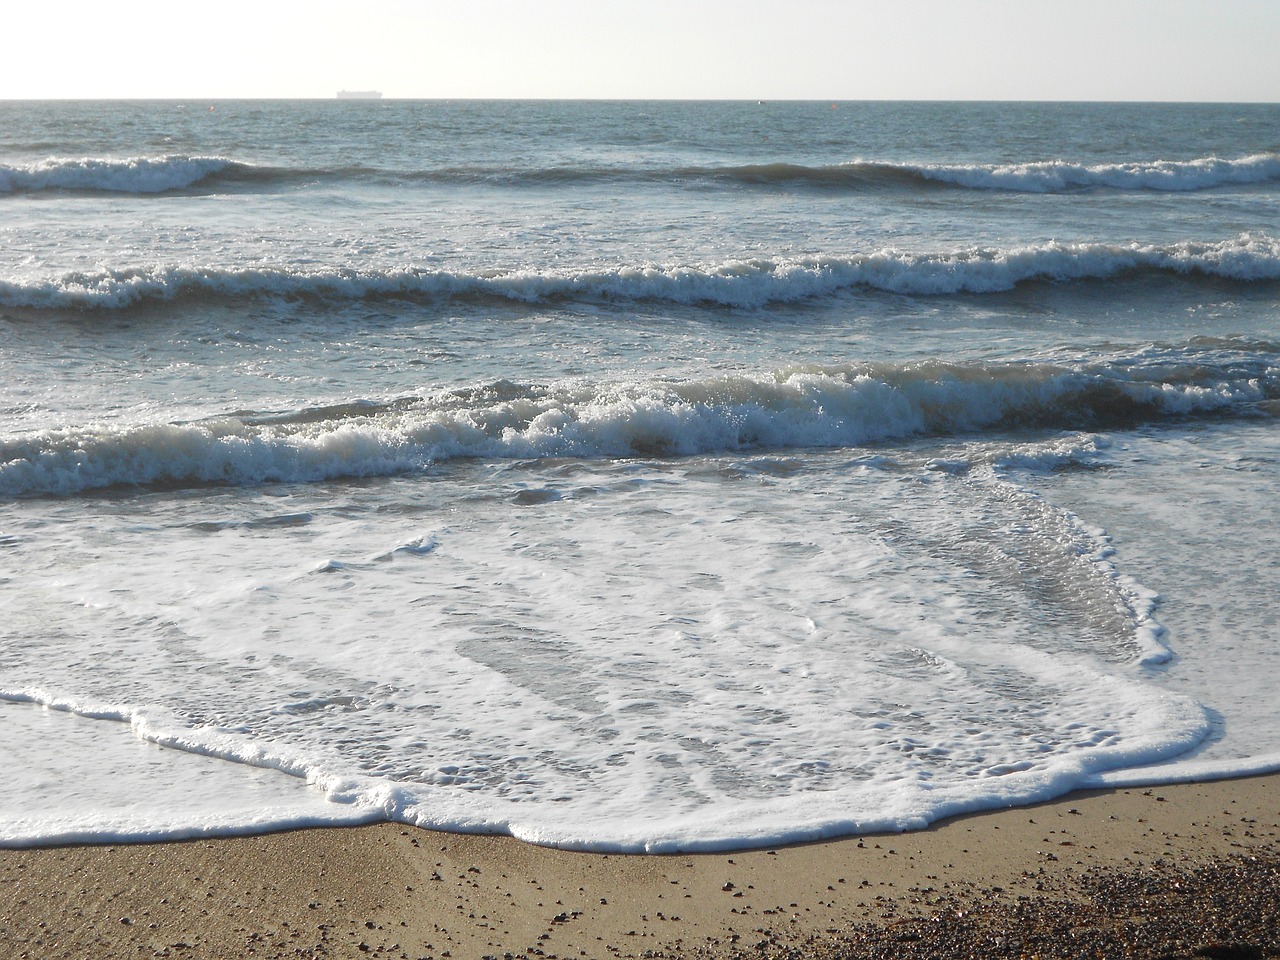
(397, 891)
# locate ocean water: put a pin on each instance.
(630, 476)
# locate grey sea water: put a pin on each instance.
(630, 475)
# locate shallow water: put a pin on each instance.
(630, 476)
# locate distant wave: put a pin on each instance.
(157, 175)
(738, 283)
(1054, 176)
(160, 175)
(1050, 176)
(830, 406)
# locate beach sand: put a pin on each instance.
(1187, 870)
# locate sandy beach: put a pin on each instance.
(1188, 870)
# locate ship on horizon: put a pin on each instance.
(359, 94)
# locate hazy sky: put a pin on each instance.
(751, 49)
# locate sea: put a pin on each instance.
(631, 476)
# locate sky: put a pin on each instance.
(696, 49)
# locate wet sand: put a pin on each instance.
(1188, 870)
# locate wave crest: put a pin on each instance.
(128, 175)
(843, 406)
(738, 283)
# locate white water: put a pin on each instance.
(803, 406)
(616, 659)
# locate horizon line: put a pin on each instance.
(503, 99)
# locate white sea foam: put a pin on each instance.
(123, 175)
(756, 677)
(738, 283)
(1183, 771)
(745, 725)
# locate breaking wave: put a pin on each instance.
(1055, 176)
(841, 406)
(163, 174)
(128, 175)
(737, 283)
